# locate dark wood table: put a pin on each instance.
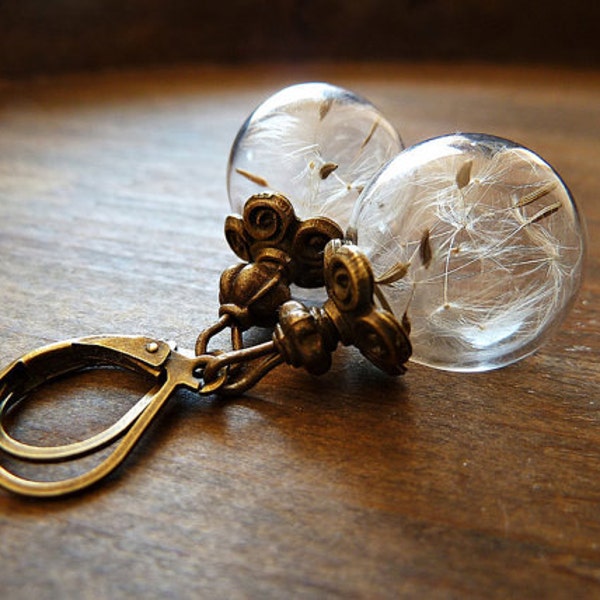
(436, 485)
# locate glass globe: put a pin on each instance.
(316, 144)
(478, 241)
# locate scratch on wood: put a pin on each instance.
(253, 178)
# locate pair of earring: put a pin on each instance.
(469, 242)
(465, 250)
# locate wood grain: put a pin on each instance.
(437, 485)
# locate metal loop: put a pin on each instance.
(226, 372)
(32, 371)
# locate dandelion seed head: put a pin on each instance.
(505, 248)
(291, 141)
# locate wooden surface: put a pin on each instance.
(352, 485)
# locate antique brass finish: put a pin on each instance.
(306, 337)
(351, 307)
(279, 250)
(282, 250)
(251, 293)
(269, 223)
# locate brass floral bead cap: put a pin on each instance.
(351, 307)
(306, 337)
(269, 230)
(280, 249)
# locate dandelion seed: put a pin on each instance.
(253, 178)
(382, 299)
(536, 194)
(544, 212)
(325, 107)
(370, 134)
(327, 169)
(463, 177)
(406, 324)
(393, 274)
(425, 251)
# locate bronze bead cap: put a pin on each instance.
(444, 238)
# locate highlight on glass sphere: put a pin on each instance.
(315, 143)
(478, 241)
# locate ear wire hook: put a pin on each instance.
(74, 450)
(138, 354)
(172, 370)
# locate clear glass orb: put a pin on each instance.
(316, 144)
(478, 241)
